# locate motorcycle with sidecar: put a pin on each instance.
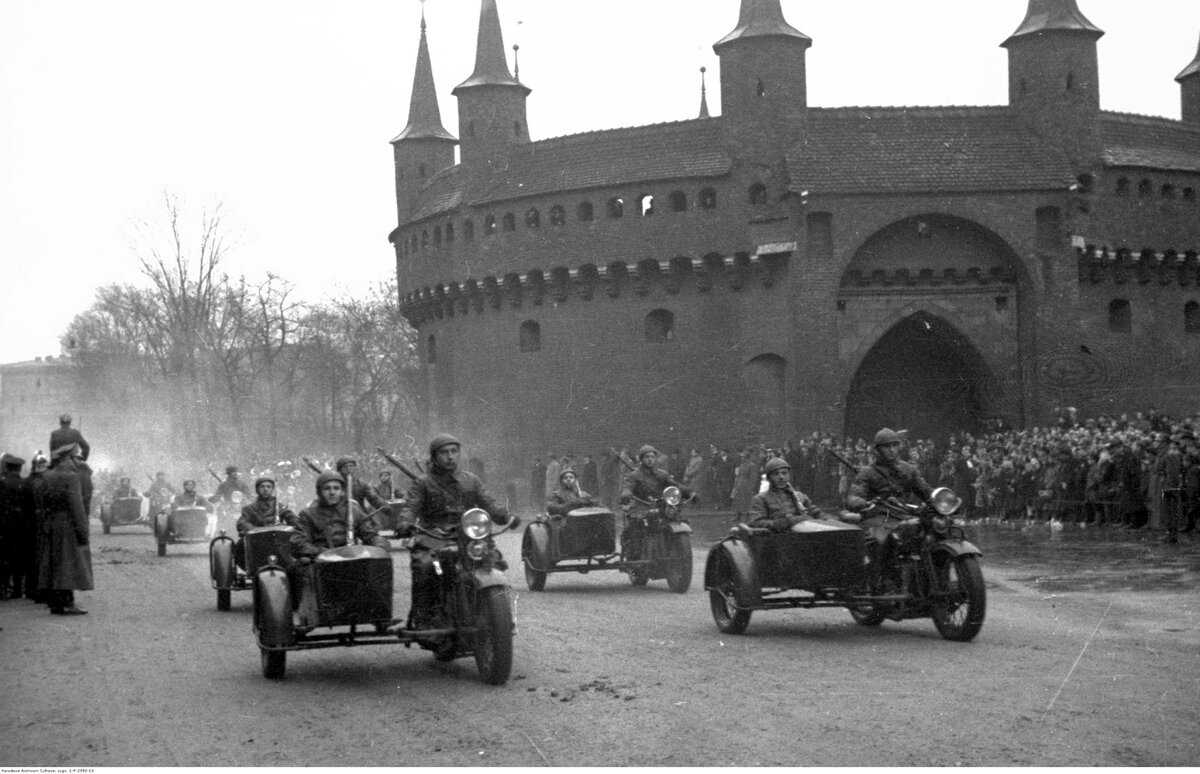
(584, 540)
(122, 512)
(344, 598)
(193, 524)
(262, 546)
(934, 572)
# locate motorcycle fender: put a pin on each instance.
(747, 594)
(539, 537)
(680, 527)
(487, 578)
(956, 548)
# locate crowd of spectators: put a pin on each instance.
(1103, 471)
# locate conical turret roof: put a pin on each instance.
(759, 19)
(491, 66)
(424, 115)
(1192, 69)
(1057, 15)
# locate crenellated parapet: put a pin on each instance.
(563, 284)
(880, 279)
(1121, 265)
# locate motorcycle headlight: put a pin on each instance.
(941, 525)
(672, 496)
(476, 524)
(237, 498)
(945, 501)
(477, 549)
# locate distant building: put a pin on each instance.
(33, 394)
(783, 268)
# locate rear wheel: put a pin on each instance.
(493, 635)
(274, 663)
(958, 612)
(679, 562)
(533, 554)
(722, 598)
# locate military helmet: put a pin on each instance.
(328, 476)
(262, 479)
(344, 461)
(565, 471)
(647, 449)
(440, 440)
(231, 469)
(886, 435)
(775, 463)
(38, 463)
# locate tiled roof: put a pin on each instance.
(670, 151)
(1147, 141)
(913, 150)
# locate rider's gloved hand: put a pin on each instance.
(514, 521)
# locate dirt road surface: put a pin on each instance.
(1090, 655)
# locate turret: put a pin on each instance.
(1053, 76)
(424, 147)
(1189, 88)
(491, 103)
(763, 77)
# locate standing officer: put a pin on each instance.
(438, 499)
(64, 558)
(16, 533)
(65, 434)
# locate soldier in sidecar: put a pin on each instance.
(124, 508)
(264, 531)
(188, 520)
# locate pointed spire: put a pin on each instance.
(762, 18)
(1192, 69)
(424, 115)
(703, 95)
(1046, 15)
(491, 66)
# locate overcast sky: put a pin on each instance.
(282, 110)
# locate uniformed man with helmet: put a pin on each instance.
(232, 483)
(646, 483)
(780, 506)
(264, 511)
(438, 499)
(364, 494)
(888, 477)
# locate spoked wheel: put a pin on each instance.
(493, 635)
(679, 562)
(722, 598)
(532, 545)
(274, 663)
(866, 616)
(958, 614)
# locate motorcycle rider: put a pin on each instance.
(438, 499)
(230, 485)
(887, 478)
(781, 505)
(188, 497)
(645, 482)
(125, 489)
(364, 494)
(265, 511)
(160, 491)
(568, 496)
(323, 524)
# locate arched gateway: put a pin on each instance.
(933, 325)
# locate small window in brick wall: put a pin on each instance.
(1189, 194)
(616, 207)
(449, 232)
(585, 211)
(758, 194)
(1120, 316)
(530, 336)
(1167, 191)
(533, 218)
(1123, 186)
(1191, 317)
(646, 205)
(678, 201)
(468, 230)
(489, 225)
(558, 216)
(1145, 188)
(510, 222)
(708, 199)
(660, 326)
(437, 236)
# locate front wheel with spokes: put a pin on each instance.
(961, 598)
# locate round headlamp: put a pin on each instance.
(476, 524)
(477, 549)
(672, 495)
(945, 501)
(237, 498)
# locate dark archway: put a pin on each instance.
(923, 376)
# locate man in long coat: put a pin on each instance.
(18, 534)
(64, 556)
(66, 435)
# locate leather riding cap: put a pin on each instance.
(440, 440)
(886, 435)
